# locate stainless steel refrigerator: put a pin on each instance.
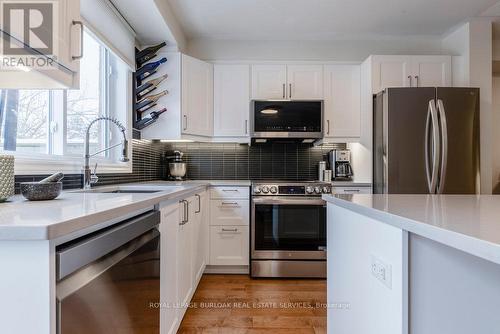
(426, 141)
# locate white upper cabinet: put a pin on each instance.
(305, 82)
(431, 71)
(62, 49)
(268, 82)
(391, 71)
(410, 71)
(231, 100)
(293, 82)
(342, 114)
(197, 97)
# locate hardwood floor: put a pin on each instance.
(238, 304)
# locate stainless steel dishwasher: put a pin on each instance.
(109, 281)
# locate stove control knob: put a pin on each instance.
(257, 189)
(317, 190)
(326, 190)
(309, 190)
(274, 190)
(265, 189)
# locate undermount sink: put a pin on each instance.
(129, 190)
(121, 191)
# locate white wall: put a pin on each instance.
(341, 50)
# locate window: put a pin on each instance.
(52, 123)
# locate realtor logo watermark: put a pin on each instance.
(29, 31)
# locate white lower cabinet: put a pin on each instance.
(169, 317)
(229, 245)
(184, 254)
(229, 227)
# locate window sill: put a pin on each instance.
(29, 165)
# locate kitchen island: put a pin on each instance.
(413, 263)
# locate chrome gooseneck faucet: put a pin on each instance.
(90, 178)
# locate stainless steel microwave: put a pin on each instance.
(286, 119)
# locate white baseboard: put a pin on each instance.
(226, 270)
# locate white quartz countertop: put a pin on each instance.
(470, 223)
(74, 211)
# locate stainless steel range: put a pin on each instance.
(288, 229)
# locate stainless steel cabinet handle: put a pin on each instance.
(187, 212)
(246, 126)
(185, 122)
(416, 79)
(352, 190)
(290, 91)
(409, 77)
(79, 23)
(183, 220)
(444, 145)
(229, 203)
(284, 93)
(327, 126)
(229, 230)
(199, 203)
(230, 190)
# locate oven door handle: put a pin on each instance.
(288, 201)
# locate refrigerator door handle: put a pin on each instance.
(432, 120)
(444, 145)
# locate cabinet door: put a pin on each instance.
(197, 97)
(305, 82)
(391, 71)
(342, 115)
(229, 245)
(168, 272)
(200, 235)
(268, 82)
(184, 257)
(431, 71)
(231, 100)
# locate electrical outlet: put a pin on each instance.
(382, 271)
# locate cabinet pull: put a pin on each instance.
(229, 230)
(327, 126)
(230, 203)
(230, 190)
(184, 214)
(185, 122)
(290, 91)
(284, 93)
(416, 79)
(246, 126)
(199, 203)
(352, 190)
(80, 56)
(409, 77)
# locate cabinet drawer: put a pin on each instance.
(351, 190)
(229, 212)
(229, 245)
(229, 192)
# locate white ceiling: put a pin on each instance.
(321, 19)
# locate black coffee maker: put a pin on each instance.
(340, 162)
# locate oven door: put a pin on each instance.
(288, 228)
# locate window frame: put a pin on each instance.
(57, 159)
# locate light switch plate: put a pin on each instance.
(381, 270)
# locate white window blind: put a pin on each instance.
(104, 20)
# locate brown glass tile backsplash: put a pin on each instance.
(276, 161)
